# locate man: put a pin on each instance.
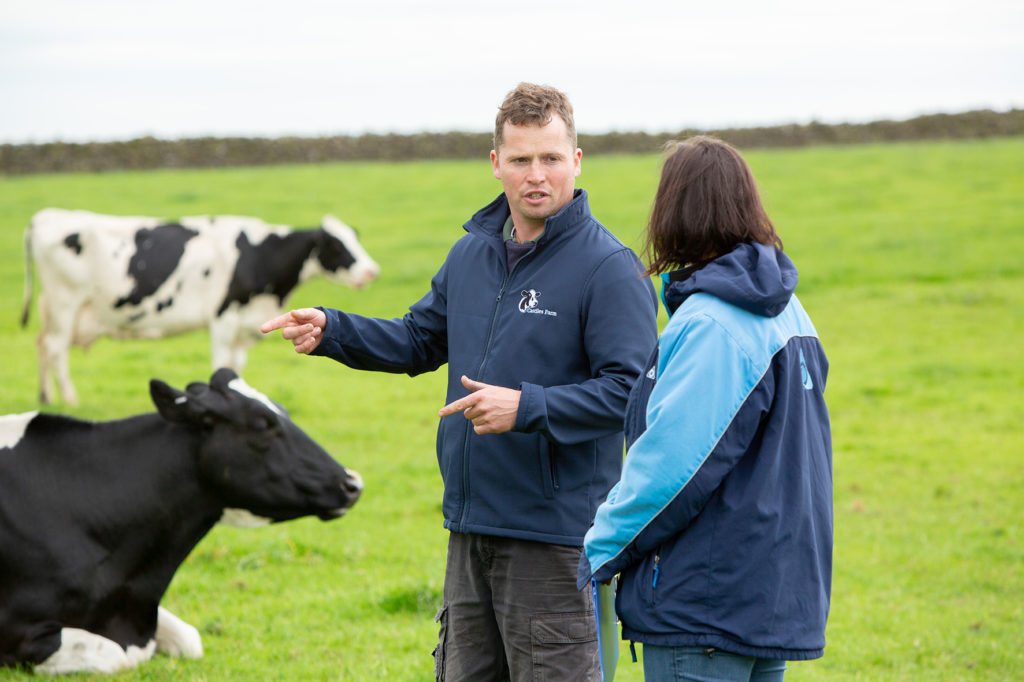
(545, 320)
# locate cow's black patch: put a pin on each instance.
(164, 304)
(157, 253)
(333, 254)
(270, 267)
(74, 242)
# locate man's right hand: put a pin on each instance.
(303, 327)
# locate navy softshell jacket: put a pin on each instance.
(571, 326)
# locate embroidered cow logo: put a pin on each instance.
(529, 300)
(528, 304)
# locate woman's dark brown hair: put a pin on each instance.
(707, 203)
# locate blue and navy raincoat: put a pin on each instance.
(721, 526)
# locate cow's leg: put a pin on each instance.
(239, 356)
(54, 351)
(57, 348)
(227, 348)
(175, 637)
(45, 390)
(222, 355)
(83, 651)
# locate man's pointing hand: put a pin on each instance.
(492, 409)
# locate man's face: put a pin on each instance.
(537, 166)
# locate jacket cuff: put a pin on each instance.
(327, 346)
(532, 415)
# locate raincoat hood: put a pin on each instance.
(755, 277)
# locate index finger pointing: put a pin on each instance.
(450, 408)
(276, 323)
(456, 406)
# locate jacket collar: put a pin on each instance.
(489, 221)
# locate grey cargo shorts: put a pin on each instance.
(512, 612)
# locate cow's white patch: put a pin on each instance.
(238, 385)
(357, 480)
(175, 637)
(138, 655)
(242, 518)
(12, 428)
(83, 651)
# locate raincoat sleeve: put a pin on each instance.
(688, 448)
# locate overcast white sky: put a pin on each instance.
(78, 70)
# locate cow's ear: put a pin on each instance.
(171, 403)
(221, 378)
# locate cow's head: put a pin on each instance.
(253, 456)
(342, 257)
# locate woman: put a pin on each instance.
(721, 526)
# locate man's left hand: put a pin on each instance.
(492, 409)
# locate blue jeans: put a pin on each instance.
(704, 664)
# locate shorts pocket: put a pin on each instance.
(564, 647)
(442, 638)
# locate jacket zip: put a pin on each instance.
(479, 377)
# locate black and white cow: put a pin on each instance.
(139, 277)
(95, 518)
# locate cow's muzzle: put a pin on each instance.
(352, 487)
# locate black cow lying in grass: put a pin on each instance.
(95, 518)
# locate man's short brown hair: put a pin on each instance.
(531, 104)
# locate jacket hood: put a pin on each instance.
(755, 277)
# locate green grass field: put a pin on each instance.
(911, 267)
